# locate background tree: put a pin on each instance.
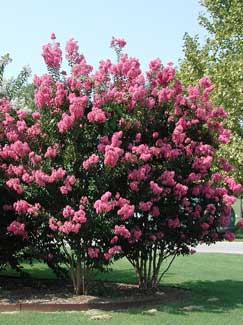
(221, 58)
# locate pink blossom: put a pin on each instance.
(229, 199)
(104, 205)
(233, 186)
(61, 93)
(27, 178)
(93, 252)
(70, 180)
(112, 155)
(229, 236)
(126, 211)
(224, 220)
(134, 186)
(224, 136)
(240, 223)
(194, 177)
(66, 122)
(81, 68)
(155, 64)
(51, 152)
(178, 135)
(71, 49)
(77, 105)
(53, 36)
(143, 151)
(22, 206)
(225, 164)
(17, 229)
(173, 223)
(155, 211)
(80, 216)
(145, 206)
(112, 251)
(155, 188)
(43, 95)
(216, 177)
(202, 163)
(166, 75)
(58, 173)
(114, 240)
(155, 135)
(142, 173)
(180, 190)
(205, 82)
(205, 226)
(52, 55)
(36, 115)
(136, 233)
(84, 200)
(34, 158)
(122, 231)
(53, 224)
(68, 212)
(69, 227)
(14, 183)
(92, 160)
(65, 189)
(96, 115)
(211, 209)
(120, 42)
(167, 178)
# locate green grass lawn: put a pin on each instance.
(206, 275)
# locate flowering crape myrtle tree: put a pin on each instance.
(117, 163)
(11, 252)
(177, 192)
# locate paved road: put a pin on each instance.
(222, 247)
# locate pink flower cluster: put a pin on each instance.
(104, 204)
(17, 229)
(120, 42)
(52, 55)
(92, 160)
(112, 251)
(67, 187)
(93, 252)
(122, 231)
(74, 222)
(22, 206)
(113, 152)
(107, 204)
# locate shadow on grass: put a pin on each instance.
(226, 295)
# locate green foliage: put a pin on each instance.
(17, 88)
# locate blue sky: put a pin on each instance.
(153, 28)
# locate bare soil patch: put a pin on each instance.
(104, 295)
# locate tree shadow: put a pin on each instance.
(206, 297)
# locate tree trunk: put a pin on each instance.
(148, 269)
(79, 274)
